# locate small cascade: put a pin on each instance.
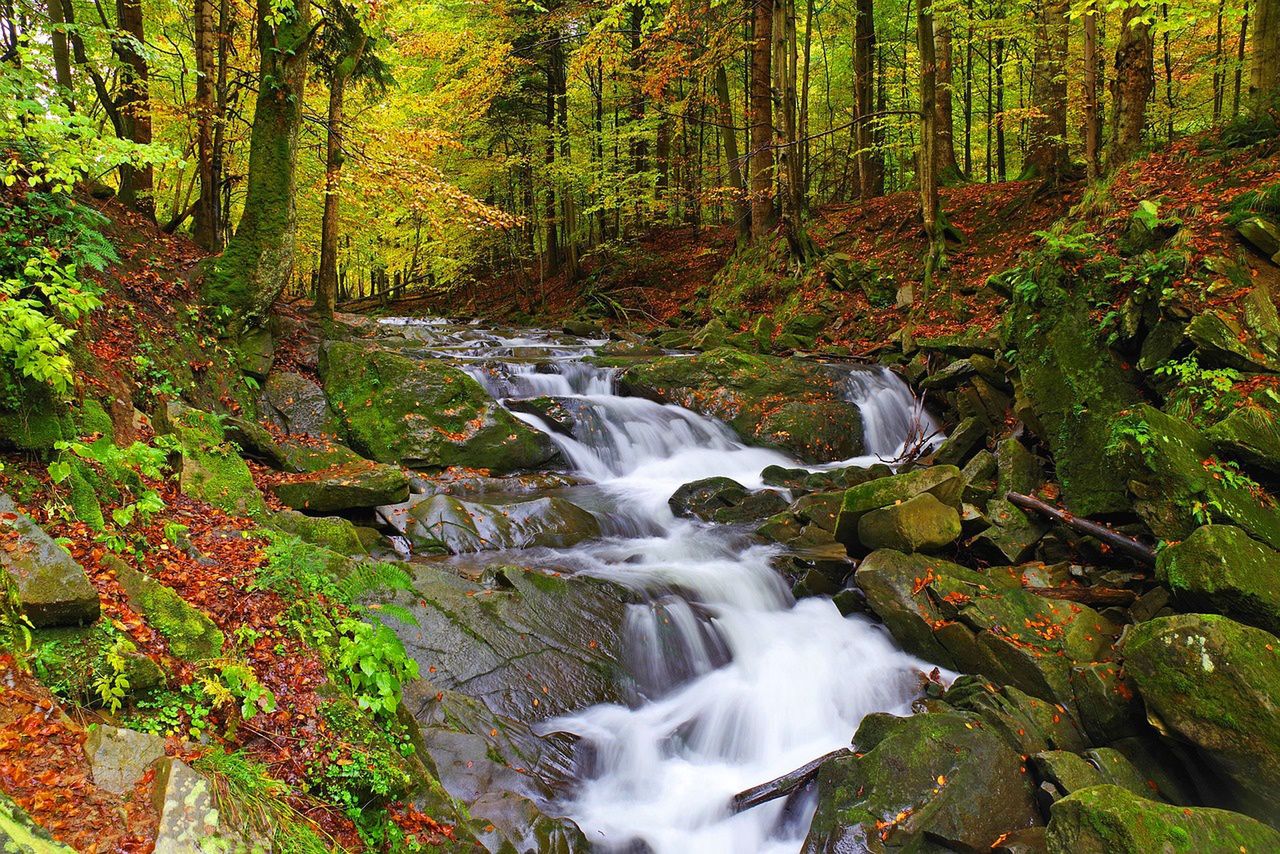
(733, 682)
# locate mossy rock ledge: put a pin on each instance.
(53, 590)
(423, 413)
(1108, 819)
(790, 404)
(1221, 569)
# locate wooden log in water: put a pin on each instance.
(786, 784)
(1120, 542)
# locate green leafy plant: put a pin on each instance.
(1131, 431)
(1200, 394)
(375, 664)
(112, 686)
(246, 793)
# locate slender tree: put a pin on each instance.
(1046, 155)
(1092, 109)
(134, 104)
(207, 223)
(1133, 82)
(870, 161)
(763, 214)
(948, 168)
(927, 156)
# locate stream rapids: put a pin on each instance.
(734, 682)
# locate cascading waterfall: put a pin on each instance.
(734, 683)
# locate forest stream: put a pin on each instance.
(731, 682)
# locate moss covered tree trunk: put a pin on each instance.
(1046, 157)
(1264, 72)
(1132, 85)
(258, 261)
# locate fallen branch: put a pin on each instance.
(1092, 596)
(784, 785)
(1104, 534)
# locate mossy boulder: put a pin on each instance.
(1251, 433)
(919, 524)
(1245, 336)
(358, 485)
(1070, 772)
(52, 588)
(984, 622)
(1028, 724)
(1222, 570)
(1108, 819)
(1262, 234)
(926, 782)
(211, 469)
(1178, 481)
(331, 532)
(1073, 386)
(789, 404)
(943, 482)
(469, 526)
(423, 413)
(192, 636)
(1215, 684)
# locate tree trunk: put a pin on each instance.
(1132, 85)
(327, 279)
(1244, 34)
(61, 50)
(762, 211)
(948, 168)
(870, 162)
(569, 220)
(1092, 110)
(205, 230)
(136, 183)
(1046, 156)
(927, 157)
(258, 261)
(741, 205)
(1264, 70)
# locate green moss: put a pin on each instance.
(93, 419)
(70, 661)
(330, 532)
(212, 470)
(192, 636)
(1107, 819)
(424, 413)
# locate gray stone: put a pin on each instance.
(119, 757)
(297, 405)
(52, 588)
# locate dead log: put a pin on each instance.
(1094, 597)
(784, 785)
(1102, 533)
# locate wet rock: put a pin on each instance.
(979, 478)
(937, 779)
(702, 498)
(255, 352)
(424, 413)
(119, 757)
(348, 486)
(52, 589)
(819, 508)
(1010, 537)
(1107, 701)
(468, 526)
(539, 646)
(1215, 683)
(943, 482)
(1222, 570)
(568, 416)
(1261, 234)
(473, 754)
(1111, 820)
(789, 404)
(961, 442)
(1174, 488)
(919, 524)
(192, 636)
(583, 329)
(720, 499)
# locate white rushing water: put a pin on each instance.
(735, 683)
